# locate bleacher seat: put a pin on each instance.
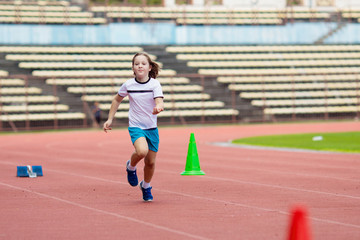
(71, 49)
(108, 81)
(71, 57)
(92, 73)
(42, 117)
(283, 80)
(3, 73)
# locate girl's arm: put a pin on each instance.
(159, 102)
(113, 109)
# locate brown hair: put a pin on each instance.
(155, 68)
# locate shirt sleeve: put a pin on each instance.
(123, 90)
(158, 91)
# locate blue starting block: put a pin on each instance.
(29, 171)
(37, 170)
(22, 171)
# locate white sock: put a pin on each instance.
(145, 184)
(131, 168)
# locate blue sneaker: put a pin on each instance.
(131, 176)
(146, 193)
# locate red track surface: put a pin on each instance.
(245, 194)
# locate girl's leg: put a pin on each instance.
(141, 151)
(149, 167)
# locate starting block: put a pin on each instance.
(29, 171)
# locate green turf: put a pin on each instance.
(335, 142)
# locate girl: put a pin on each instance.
(146, 101)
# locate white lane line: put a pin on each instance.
(194, 197)
(231, 180)
(283, 187)
(216, 200)
(163, 228)
(211, 165)
(282, 149)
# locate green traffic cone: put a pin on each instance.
(192, 161)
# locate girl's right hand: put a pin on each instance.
(107, 125)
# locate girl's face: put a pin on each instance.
(141, 68)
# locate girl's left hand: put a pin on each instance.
(157, 110)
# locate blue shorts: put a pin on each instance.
(151, 136)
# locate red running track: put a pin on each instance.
(245, 194)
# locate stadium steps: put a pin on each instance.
(331, 32)
(74, 102)
(12, 67)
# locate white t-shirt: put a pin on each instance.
(142, 101)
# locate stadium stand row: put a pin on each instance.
(46, 12)
(61, 12)
(218, 15)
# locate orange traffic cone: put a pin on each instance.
(299, 229)
(192, 161)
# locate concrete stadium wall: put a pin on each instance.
(350, 34)
(162, 33)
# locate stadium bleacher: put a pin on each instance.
(284, 80)
(71, 69)
(45, 12)
(19, 103)
(270, 69)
